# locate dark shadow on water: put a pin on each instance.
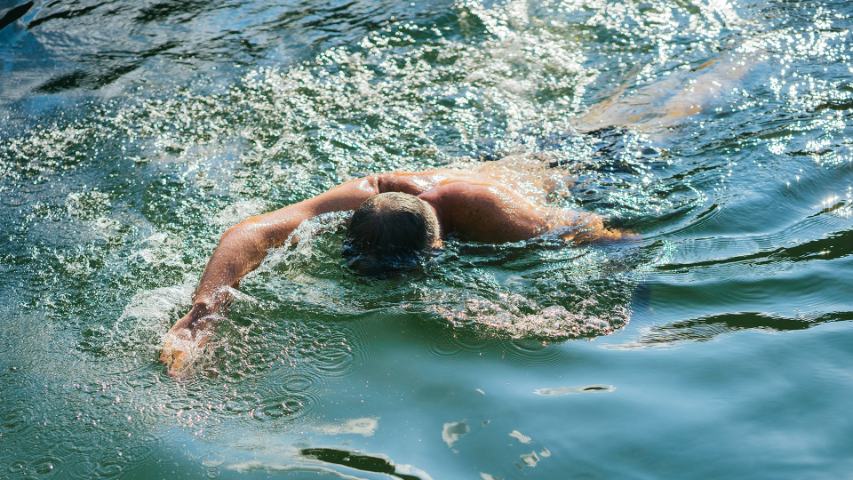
(180, 12)
(365, 463)
(14, 13)
(706, 328)
(834, 246)
(64, 14)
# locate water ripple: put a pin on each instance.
(133, 134)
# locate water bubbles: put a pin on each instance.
(113, 208)
(87, 204)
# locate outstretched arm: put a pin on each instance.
(241, 249)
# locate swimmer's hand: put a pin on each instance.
(186, 340)
(583, 227)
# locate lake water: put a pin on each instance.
(717, 345)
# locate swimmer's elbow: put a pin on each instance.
(244, 237)
(233, 234)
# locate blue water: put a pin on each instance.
(718, 344)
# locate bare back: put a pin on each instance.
(501, 201)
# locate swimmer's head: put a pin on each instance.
(390, 231)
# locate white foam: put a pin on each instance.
(451, 432)
(158, 305)
(365, 427)
(520, 437)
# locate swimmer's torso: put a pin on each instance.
(525, 175)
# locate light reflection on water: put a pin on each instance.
(133, 134)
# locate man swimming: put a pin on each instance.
(398, 217)
(401, 215)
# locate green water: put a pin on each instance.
(717, 345)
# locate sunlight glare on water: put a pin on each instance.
(716, 130)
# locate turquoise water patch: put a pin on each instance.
(713, 345)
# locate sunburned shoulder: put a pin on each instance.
(494, 213)
(485, 212)
(416, 183)
(468, 192)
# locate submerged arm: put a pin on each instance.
(241, 249)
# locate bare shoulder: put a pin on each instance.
(490, 212)
(416, 183)
(481, 210)
(472, 192)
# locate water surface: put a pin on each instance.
(133, 133)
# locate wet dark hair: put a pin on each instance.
(389, 231)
